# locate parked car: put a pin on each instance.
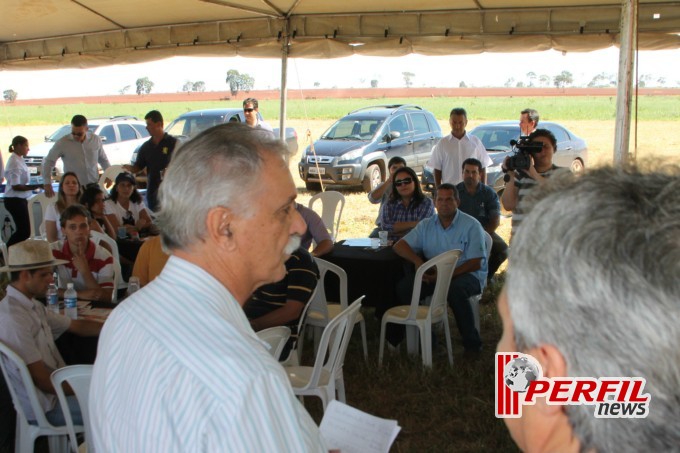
(121, 136)
(190, 124)
(572, 151)
(355, 150)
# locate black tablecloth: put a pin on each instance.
(77, 350)
(373, 273)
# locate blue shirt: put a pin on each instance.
(483, 205)
(465, 233)
(179, 369)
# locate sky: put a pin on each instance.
(480, 70)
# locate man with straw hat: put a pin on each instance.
(29, 329)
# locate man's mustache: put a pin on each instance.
(293, 244)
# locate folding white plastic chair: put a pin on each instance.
(420, 318)
(325, 378)
(27, 433)
(295, 354)
(321, 312)
(476, 299)
(119, 283)
(38, 231)
(276, 338)
(78, 377)
(110, 173)
(332, 204)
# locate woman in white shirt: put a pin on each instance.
(125, 206)
(18, 190)
(69, 194)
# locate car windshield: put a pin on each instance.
(353, 129)
(497, 138)
(63, 130)
(193, 125)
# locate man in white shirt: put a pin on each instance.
(451, 151)
(81, 151)
(179, 367)
(29, 329)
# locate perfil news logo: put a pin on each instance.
(519, 380)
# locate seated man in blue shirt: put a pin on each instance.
(282, 303)
(450, 229)
(481, 202)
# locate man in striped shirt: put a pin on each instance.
(179, 367)
(522, 181)
(282, 303)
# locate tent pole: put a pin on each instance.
(284, 80)
(624, 87)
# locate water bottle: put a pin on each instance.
(71, 302)
(133, 285)
(52, 298)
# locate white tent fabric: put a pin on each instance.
(45, 34)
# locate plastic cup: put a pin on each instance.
(383, 238)
(122, 232)
(375, 243)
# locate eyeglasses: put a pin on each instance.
(77, 134)
(400, 182)
(248, 110)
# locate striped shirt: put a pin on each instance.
(99, 261)
(394, 211)
(180, 370)
(524, 184)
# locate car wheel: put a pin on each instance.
(313, 186)
(577, 166)
(372, 178)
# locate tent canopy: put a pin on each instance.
(49, 34)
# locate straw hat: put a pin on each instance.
(30, 254)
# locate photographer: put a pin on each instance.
(521, 182)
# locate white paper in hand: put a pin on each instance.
(353, 431)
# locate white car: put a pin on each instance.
(121, 136)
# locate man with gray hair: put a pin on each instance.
(178, 367)
(592, 290)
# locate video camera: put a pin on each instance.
(523, 150)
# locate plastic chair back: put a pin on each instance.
(110, 173)
(38, 230)
(295, 354)
(445, 264)
(332, 204)
(276, 337)
(26, 432)
(333, 345)
(319, 303)
(118, 282)
(78, 377)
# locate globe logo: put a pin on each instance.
(520, 372)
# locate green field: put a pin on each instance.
(576, 108)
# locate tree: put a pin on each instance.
(198, 86)
(544, 80)
(374, 83)
(10, 95)
(563, 79)
(124, 90)
(407, 78)
(144, 85)
(532, 78)
(520, 84)
(661, 81)
(239, 82)
(510, 82)
(188, 86)
(317, 84)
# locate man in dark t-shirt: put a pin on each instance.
(481, 202)
(154, 156)
(282, 303)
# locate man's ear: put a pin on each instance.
(553, 365)
(218, 223)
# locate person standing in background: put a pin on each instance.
(18, 189)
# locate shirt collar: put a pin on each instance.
(19, 297)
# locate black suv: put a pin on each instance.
(355, 150)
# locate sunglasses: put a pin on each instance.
(400, 182)
(248, 110)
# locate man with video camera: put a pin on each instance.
(531, 165)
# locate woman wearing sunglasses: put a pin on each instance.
(407, 204)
